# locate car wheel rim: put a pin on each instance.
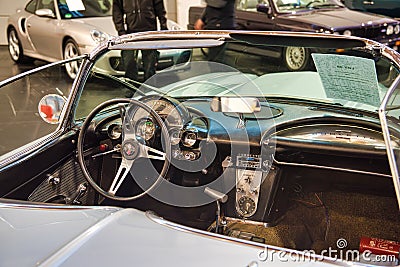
(71, 51)
(13, 46)
(295, 57)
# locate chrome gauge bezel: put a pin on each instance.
(246, 206)
(189, 138)
(148, 132)
(114, 131)
(175, 135)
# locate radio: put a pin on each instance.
(248, 161)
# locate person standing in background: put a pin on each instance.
(130, 16)
(217, 15)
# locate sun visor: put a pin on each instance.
(167, 44)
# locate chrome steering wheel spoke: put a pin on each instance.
(145, 153)
(122, 172)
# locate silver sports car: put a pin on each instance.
(52, 30)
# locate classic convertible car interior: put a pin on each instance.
(226, 140)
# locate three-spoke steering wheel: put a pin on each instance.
(133, 148)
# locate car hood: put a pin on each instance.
(104, 24)
(340, 18)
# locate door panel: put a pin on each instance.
(44, 32)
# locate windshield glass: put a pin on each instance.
(24, 105)
(70, 9)
(284, 6)
(390, 120)
(352, 78)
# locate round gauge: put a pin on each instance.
(175, 136)
(189, 139)
(166, 110)
(246, 206)
(171, 112)
(114, 131)
(146, 129)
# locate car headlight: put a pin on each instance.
(347, 33)
(389, 30)
(98, 36)
(397, 29)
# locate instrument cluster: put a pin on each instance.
(185, 131)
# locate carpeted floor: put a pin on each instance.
(318, 221)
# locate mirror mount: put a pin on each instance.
(242, 121)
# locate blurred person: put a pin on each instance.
(130, 16)
(217, 15)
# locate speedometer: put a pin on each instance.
(167, 111)
(145, 128)
(171, 112)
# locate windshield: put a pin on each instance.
(85, 8)
(352, 78)
(291, 6)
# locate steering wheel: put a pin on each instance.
(132, 148)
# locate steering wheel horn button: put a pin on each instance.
(130, 149)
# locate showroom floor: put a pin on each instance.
(19, 101)
(8, 68)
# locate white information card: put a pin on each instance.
(348, 78)
(75, 5)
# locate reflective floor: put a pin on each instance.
(20, 122)
(8, 68)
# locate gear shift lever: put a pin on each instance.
(219, 197)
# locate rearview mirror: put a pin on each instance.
(243, 105)
(50, 107)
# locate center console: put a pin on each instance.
(254, 190)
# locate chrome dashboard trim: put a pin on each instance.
(293, 164)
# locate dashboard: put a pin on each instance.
(191, 124)
(296, 136)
